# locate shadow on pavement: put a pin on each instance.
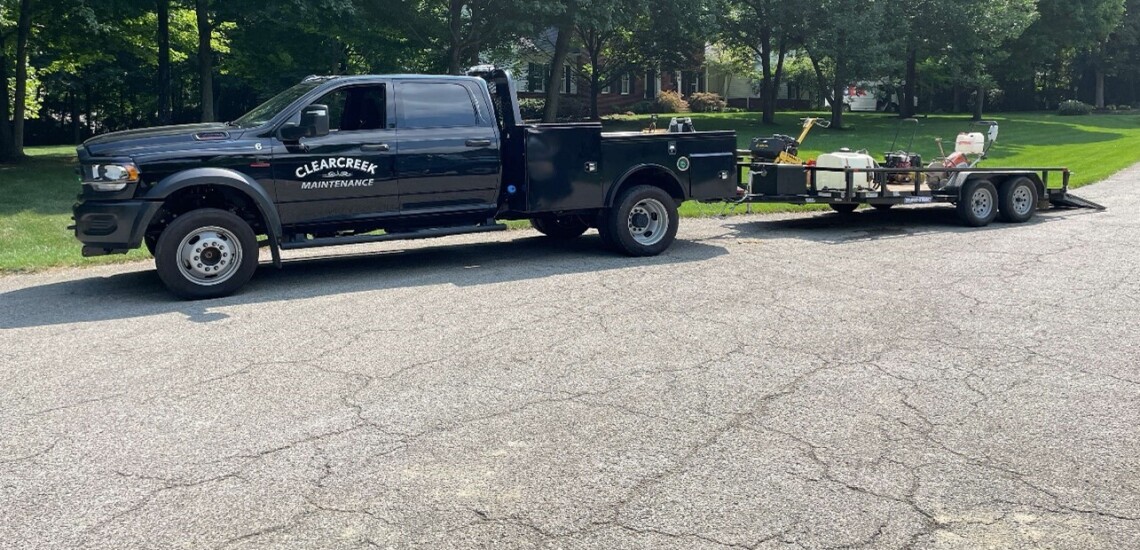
(141, 294)
(869, 224)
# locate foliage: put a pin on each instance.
(669, 101)
(643, 107)
(531, 108)
(1073, 107)
(707, 102)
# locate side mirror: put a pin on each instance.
(314, 123)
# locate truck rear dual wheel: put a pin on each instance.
(207, 253)
(643, 222)
(560, 227)
(977, 203)
(1017, 200)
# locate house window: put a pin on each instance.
(607, 89)
(626, 84)
(569, 83)
(536, 76)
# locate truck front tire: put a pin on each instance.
(560, 227)
(643, 222)
(207, 253)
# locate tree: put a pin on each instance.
(605, 31)
(847, 39)
(205, 59)
(565, 30)
(162, 11)
(768, 28)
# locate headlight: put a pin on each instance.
(110, 177)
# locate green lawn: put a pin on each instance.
(38, 194)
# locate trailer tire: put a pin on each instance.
(229, 244)
(843, 207)
(977, 203)
(560, 227)
(1017, 200)
(643, 222)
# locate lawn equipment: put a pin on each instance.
(902, 158)
(782, 149)
(967, 144)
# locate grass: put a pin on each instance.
(38, 193)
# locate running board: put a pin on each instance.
(419, 234)
(1065, 199)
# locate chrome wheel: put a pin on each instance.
(648, 221)
(982, 203)
(209, 255)
(1022, 199)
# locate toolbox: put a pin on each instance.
(779, 179)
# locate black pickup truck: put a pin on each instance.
(352, 159)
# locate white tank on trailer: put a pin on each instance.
(972, 143)
(837, 181)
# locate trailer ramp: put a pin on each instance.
(1064, 199)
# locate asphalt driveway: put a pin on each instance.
(886, 380)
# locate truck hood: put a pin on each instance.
(131, 142)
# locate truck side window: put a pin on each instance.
(356, 108)
(436, 105)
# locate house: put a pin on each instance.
(532, 68)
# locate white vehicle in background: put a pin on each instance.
(869, 97)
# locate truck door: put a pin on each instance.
(348, 174)
(449, 149)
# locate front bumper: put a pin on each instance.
(112, 227)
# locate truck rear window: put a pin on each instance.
(435, 105)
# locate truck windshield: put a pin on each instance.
(262, 113)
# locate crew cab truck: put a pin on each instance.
(352, 159)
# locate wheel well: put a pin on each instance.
(654, 176)
(196, 197)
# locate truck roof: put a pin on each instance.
(366, 77)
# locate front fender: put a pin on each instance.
(227, 178)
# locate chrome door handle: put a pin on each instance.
(383, 147)
(478, 143)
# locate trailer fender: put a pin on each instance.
(647, 174)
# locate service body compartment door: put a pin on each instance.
(563, 166)
(712, 164)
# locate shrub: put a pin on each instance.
(671, 102)
(707, 102)
(1124, 107)
(532, 108)
(572, 108)
(1074, 107)
(643, 107)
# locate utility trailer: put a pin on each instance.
(1010, 194)
(845, 179)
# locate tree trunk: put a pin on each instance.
(455, 28)
(595, 89)
(767, 96)
(777, 75)
(6, 152)
(957, 107)
(906, 108)
(554, 79)
(205, 60)
(979, 101)
(837, 86)
(73, 103)
(1099, 89)
(23, 29)
(164, 110)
